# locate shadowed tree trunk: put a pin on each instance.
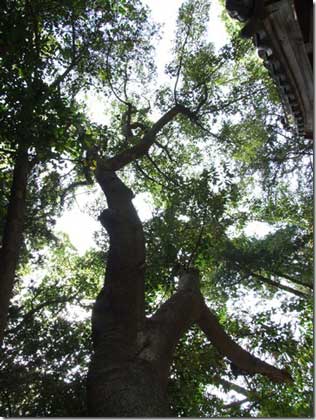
(12, 235)
(129, 369)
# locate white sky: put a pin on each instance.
(76, 222)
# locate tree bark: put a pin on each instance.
(121, 384)
(12, 235)
(129, 368)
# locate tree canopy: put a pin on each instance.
(210, 150)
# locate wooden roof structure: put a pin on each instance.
(282, 31)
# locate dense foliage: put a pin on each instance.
(229, 165)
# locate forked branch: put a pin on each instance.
(187, 307)
(141, 149)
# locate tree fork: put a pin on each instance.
(186, 307)
(129, 369)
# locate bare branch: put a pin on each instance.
(28, 315)
(246, 96)
(180, 63)
(145, 175)
(293, 279)
(235, 403)
(73, 34)
(203, 100)
(125, 83)
(198, 242)
(108, 70)
(59, 79)
(165, 149)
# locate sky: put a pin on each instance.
(76, 222)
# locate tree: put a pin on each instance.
(197, 204)
(132, 354)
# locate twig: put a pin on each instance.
(71, 187)
(109, 72)
(161, 172)
(180, 63)
(165, 149)
(31, 312)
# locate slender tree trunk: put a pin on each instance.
(129, 368)
(12, 235)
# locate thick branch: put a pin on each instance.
(236, 354)
(170, 323)
(129, 155)
(177, 315)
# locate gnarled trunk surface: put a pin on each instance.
(129, 368)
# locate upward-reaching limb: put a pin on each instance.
(187, 307)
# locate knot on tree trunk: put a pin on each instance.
(107, 218)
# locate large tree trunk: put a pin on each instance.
(119, 382)
(12, 235)
(129, 369)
